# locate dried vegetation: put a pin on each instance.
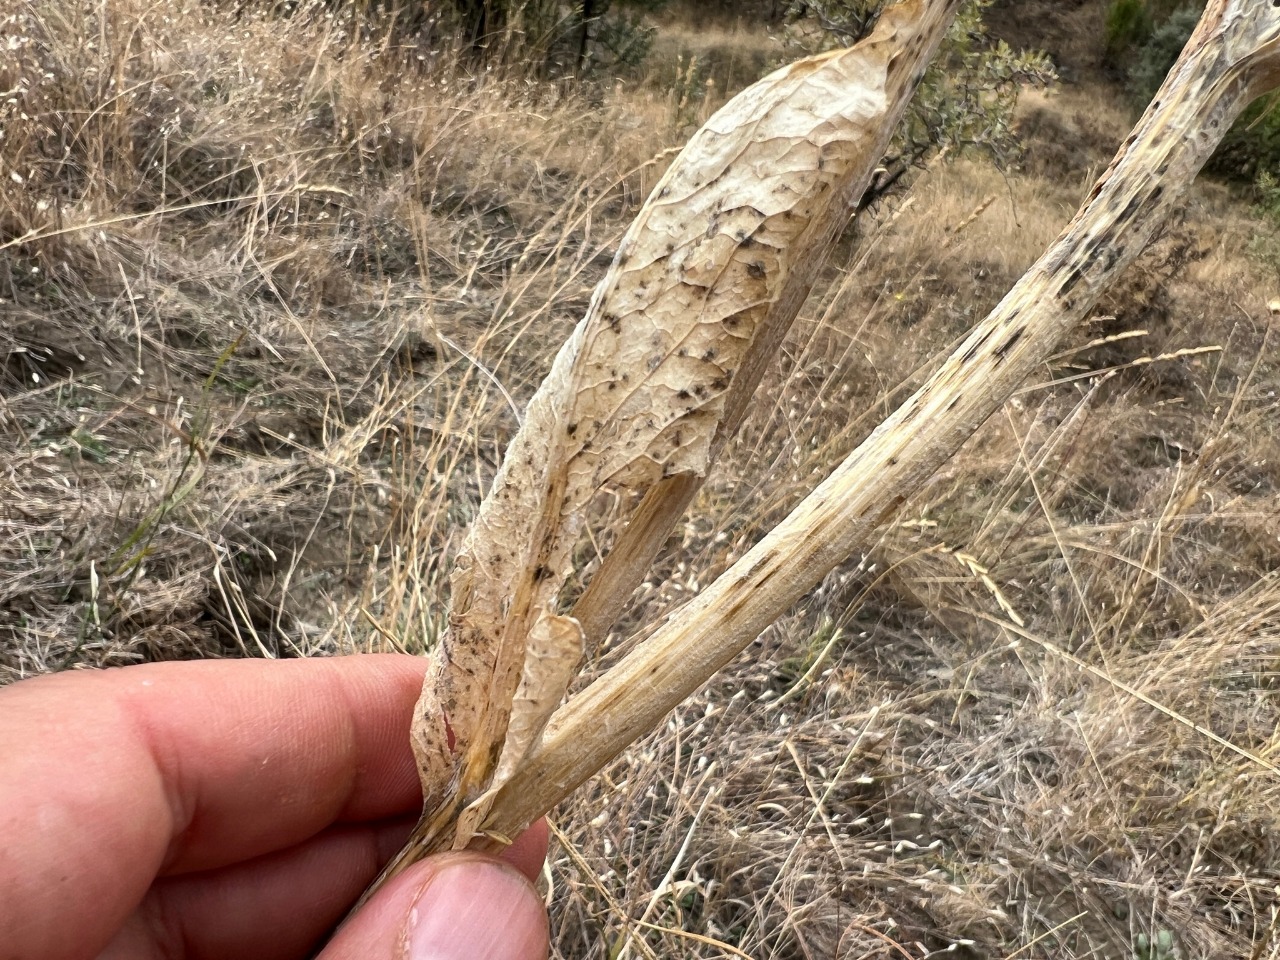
(273, 292)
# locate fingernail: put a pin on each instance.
(477, 910)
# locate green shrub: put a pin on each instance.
(612, 39)
(1152, 59)
(1128, 26)
(1265, 246)
(1252, 146)
(966, 99)
(554, 37)
(1267, 204)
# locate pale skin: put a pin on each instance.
(235, 809)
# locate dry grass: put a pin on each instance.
(707, 58)
(268, 285)
(273, 292)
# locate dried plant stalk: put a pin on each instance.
(1233, 57)
(699, 295)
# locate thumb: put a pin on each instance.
(455, 906)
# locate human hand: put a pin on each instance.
(235, 809)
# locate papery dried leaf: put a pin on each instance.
(638, 392)
(550, 661)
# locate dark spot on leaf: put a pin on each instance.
(450, 738)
